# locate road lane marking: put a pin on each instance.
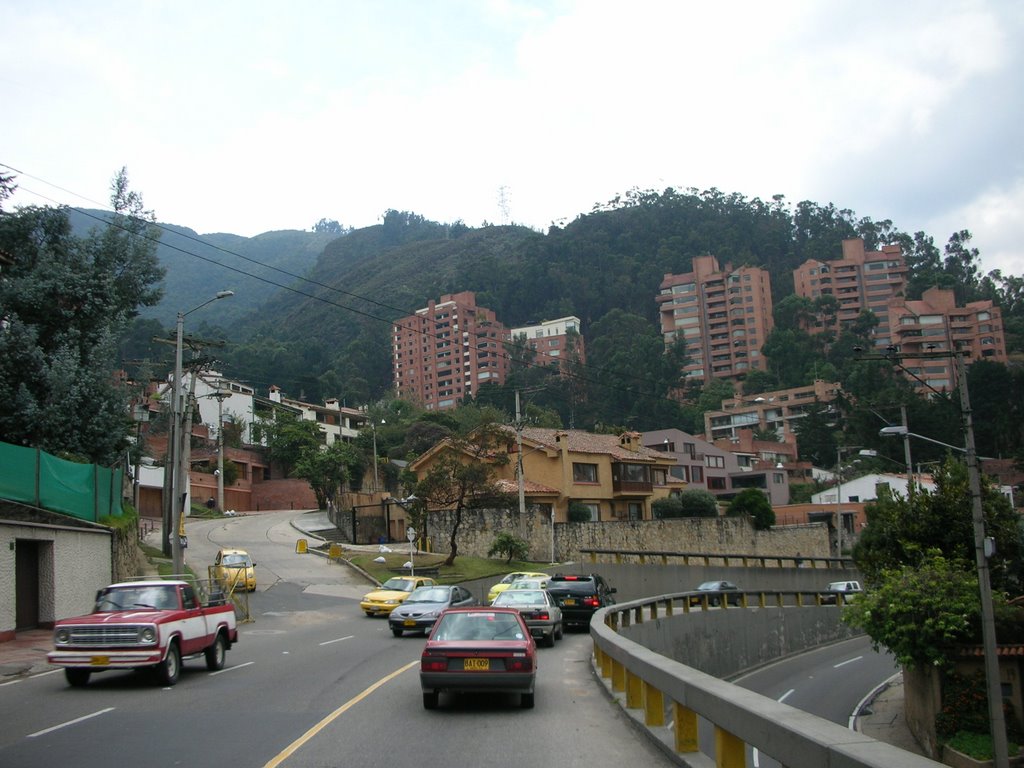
(848, 661)
(785, 696)
(298, 743)
(231, 669)
(337, 640)
(70, 722)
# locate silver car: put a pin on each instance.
(421, 609)
(542, 616)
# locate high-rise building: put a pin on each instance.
(553, 342)
(935, 325)
(859, 280)
(446, 350)
(723, 315)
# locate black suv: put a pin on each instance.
(579, 595)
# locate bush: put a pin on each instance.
(579, 513)
(698, 503)
(511, 547)
(668, 507)
(752, 503)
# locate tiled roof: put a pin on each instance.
(580, 441)
(529, 487)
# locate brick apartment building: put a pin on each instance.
(935, 325)
(859, 280)
(777, 411)
(446, 350)
(723, 315)
(554, 342)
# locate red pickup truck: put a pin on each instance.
(144, 624)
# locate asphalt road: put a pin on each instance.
(312, 682)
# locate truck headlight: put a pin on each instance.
(62, 637)
(147, 635)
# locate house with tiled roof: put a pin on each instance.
(614, 477)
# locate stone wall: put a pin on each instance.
(725, 535)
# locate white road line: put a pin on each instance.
(785, 696)
(70, 722)
(30, 677)
(231, 669)
(338, 640)
(848, 661)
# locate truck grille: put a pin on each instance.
(120, 635)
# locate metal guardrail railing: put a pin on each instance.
(669, 697)
(654, 557)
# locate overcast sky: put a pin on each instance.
(246, 117)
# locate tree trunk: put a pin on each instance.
(453, 545)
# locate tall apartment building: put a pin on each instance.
(554, 342)
(444, 351)
(859, 280)
(724, 316)
(935, 325)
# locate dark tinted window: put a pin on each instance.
(587, 585)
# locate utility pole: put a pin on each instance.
(221, 396)
(519, 460)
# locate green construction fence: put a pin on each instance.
(85, 491)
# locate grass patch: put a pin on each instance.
(978, 745)
(465, 568)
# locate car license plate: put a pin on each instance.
(409, 622)
(100, 661)
(476, 665)
(569, 601)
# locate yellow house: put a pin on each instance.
(614, 476)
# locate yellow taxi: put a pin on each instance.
(234, 570)
(392, 593)
(505, 583)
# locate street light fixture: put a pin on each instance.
(177, 432)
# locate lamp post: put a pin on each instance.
(139, 414)
(839, 495)
(177, 497)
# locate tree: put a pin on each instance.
(63, 303)
(752, 503)
(697, 503)
(287, 439)
(464, 477)
(918, 611)
(328, 227)
(509, 546)
(326, 469)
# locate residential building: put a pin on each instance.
(446, 350)
(613, 476)
(723, 316)
(859, 280)
(554, 342)
(719, 470)
(335, 421)
(777, 411)
(935, 325)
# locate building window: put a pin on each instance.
(697, 474)
(594, 509)
(714, 461)
(636, 510)
(584, 473)
(716, 483)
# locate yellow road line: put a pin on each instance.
(292, 748)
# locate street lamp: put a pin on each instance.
(839, 495)
(177, 432)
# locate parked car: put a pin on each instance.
(847, 589)
(714, 592)
(234, 570)
(527, 584)
(420, 610)
(482, 649)
(538, 610)
(504, 584)
(579, 596)
(392, 593)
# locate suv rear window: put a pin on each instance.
(578, 584)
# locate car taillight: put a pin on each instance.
(542, 615)
(592, 602)
(519, 664)
(433, 663)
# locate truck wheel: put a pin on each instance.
(77, 677)
(215, 653)
(167, 670)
